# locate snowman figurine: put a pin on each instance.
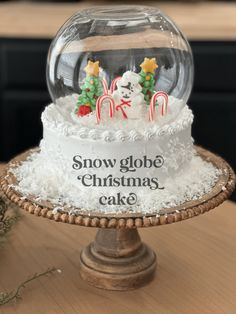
(128, 97)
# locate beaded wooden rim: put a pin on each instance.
(219, 193)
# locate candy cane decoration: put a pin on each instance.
(106, 96)
(152, 108)
(105, 87)
(114, 82)
(99, 103)
(120, 107)
(113, 85)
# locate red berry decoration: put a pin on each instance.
(84, 110)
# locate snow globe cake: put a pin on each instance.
(117, 136)
(117, 152)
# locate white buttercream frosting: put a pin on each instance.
(60, 118)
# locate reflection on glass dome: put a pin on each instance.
(119, 38)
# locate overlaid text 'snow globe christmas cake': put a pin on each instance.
(117, 137)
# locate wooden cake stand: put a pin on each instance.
(117, 259)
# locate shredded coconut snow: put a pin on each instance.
(36, 178)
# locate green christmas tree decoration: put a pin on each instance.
(147, 81)
(91, 90)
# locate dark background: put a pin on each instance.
(23, 95)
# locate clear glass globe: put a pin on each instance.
(120, 38)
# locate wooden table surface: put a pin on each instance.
(198, 20)
(196, 268)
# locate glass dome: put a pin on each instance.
(120, 38)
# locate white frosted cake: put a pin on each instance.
(117, 155)
(116, 161)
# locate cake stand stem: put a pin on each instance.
(117, 260)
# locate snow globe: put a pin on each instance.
(97, 47)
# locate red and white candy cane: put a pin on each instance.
(153, 101)
(113, 85)
(105, 87)
(114, 82)
(99, 104)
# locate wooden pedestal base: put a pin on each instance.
(117, 260)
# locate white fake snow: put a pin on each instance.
(35, 178)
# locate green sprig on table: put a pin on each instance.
(6, 222)
(6, 297)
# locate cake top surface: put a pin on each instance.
(60, 118)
